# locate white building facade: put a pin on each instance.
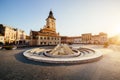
(20, 36)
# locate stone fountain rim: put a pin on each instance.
(72, 60)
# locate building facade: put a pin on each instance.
(86, 38)
(103, 38)
(77, 40)
(9, 34)
(47, 35)
(71, 40)
(95, 39)
(20, 36)
(12, 35)
(63, 39)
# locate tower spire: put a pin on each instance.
(51, 14)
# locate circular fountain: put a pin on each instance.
(62, 53)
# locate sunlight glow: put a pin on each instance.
(117, 29)
(114, 30)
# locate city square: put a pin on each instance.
(59, 40)
(14, 66)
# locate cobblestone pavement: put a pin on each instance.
(14, 66)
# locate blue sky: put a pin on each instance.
(73, 17)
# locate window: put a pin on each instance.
(44, 37)
(41, 43)
(45, 43)
(48, 38)
(41, 38)
(52, 38)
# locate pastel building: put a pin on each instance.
(86, 38)
(77, 40)
(20, 36)
(12, 35)
(71, 40)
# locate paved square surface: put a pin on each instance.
(14, 66)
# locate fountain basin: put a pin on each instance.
(80, 55)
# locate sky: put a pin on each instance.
(73, 17)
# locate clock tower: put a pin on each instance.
(50, 22)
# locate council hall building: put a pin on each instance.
(47, 35)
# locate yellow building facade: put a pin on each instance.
(12, 35)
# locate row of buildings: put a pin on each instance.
(47, 35)
(87, 38)
(10, 35)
